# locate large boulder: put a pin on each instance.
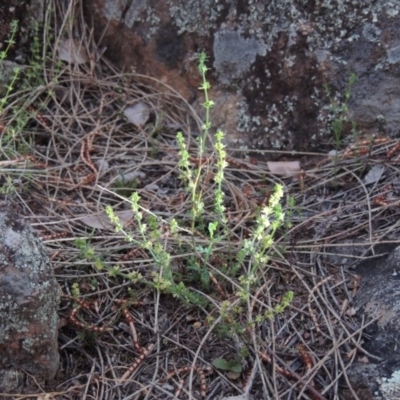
(29, 299)
(270, 59)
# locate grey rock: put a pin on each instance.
(270, 59)
(29, 299)
(234, 55)
(379, 298)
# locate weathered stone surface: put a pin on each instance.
(270, 60)
(379, 297)
(29, 298)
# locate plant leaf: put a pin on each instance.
(225, 365)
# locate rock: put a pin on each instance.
(29, 298)
(270, 61)
(379, 297)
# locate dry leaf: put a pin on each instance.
(351, 312)
(72, 51)
(333, 153)
(101, 221)
(288, 168)
(363, 360)
(197, 325)
(233, 375)
(138, 114)
(130, 176)
(374, 174)
(102, 165)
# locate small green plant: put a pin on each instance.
(208, 221)
(340, 110)
(34, 74)
(89, 253)
(75, 291)
(280, 307)
(10, 42)
(3, 55)
(193, 176)
(22, 100)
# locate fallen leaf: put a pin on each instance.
(197, 325)
(72, 51)
(132, 175)
(288, 168)
(374, 174)
(101, 221)
(102, 165)
(138, 114)
(351, 312)
(333, 153)
(233, 375)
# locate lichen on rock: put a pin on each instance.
(198, 16)
(234, 55)
(275, 56)
(29, 298)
